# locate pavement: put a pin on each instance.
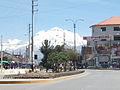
(90, 80)
(17, 81)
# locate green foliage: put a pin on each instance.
(72, 54)
(73, 57)
(57, 58)
(45, 49)
(59, 48)
(5, 58)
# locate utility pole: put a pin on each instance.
(74, 26)
(110, 48)
(1, 52)
(64, 38)
(32, 47)
(29, 46)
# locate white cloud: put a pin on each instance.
(15, 41)
(13, 44)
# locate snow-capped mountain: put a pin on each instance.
(56, 35)
(14, 44)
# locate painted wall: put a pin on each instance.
(96, 31)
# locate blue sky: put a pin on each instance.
(15, 15)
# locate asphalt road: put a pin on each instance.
(92, 80)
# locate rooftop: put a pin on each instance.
(115, 20)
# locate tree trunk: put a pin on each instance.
(47, 69)
(65, 67)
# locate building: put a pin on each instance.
(12, 60)
(105, 41)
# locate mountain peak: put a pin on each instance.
(57, 36)
(56, 29)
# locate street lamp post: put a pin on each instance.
(74, 27)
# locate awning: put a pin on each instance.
(4, 61)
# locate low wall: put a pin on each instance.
(12, 71)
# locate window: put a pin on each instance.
(103, 40)
(117, 37)
(103, 29)
(116, 28)
(92, 31)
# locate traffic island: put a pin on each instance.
(39, 77)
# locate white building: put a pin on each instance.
(105, 41)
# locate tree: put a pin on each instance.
(59, 48)
(73, 56)
(46, 49)
(56, 59)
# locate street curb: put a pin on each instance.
(39, 81)
(25, 81)
(71, 76)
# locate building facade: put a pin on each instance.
(105, 42)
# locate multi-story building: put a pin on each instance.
(105, 41)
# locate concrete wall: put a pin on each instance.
(96, 30)
(12, 71)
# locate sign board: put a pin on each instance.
(103, 58)
(97, 37)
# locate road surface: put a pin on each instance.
(92, 80)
